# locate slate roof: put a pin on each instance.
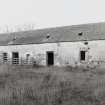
(91, 31)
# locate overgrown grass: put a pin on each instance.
(25, 85)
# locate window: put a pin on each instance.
(15, 58)
(80, 34)
(86, 43)
(82, 55)
(27, 55)
(47, 36)
(5, 58)
(27, 58)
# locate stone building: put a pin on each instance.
(59, 46)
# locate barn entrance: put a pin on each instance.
(50, 58)
(15, 58)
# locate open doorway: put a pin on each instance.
(15, 58)
(50, 58)
(82, 55)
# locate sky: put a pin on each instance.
(15, 14)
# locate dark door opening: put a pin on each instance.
(15, 58)
(82, 55)
(50, 58)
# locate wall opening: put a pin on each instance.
(80, 33)
(15, 58)
(50, 58)
(5, 57)
(82, 55)
(27, 58)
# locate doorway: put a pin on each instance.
(15, 58)
(50, 58)
(82, 55)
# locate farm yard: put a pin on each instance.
(27, 85)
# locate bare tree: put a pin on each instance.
(7, 29)
(17, 28)
(25, 27)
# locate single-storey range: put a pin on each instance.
(60, 46)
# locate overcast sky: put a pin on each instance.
(50, 13)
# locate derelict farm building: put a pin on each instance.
(60, 46)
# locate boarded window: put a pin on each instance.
(82, 55)
(5, 57)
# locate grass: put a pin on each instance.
(26, 85)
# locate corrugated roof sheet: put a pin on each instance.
(93, 31)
